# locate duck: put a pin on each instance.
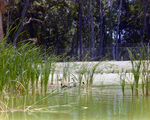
(74, 84)
(63, 86)
(83, 85)
(71, 84)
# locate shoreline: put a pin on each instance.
(107, 72)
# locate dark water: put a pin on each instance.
(106, 103)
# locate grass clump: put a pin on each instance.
(86, 73)
(136, 65)
(21, 69)
(122, 83)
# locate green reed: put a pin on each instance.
(67, 69)
(87, 71)
(145, 75)
(23, 65)
(136, 65)
(122, 83)
(131, 83)
(82, 72)
(92, 72)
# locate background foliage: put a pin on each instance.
(78, 26)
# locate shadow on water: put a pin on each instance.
(98, 103)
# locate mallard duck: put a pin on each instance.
(63, 86)
(71, 84)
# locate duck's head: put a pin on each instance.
(73, 79)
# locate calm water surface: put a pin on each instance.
(100, 103)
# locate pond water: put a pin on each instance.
(104, 103)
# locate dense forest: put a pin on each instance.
(77, 27)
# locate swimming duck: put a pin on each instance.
(63, 86)
(71, 84)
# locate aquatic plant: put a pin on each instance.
(24, 65)
(92, 72)
(136, 65)
(122, 82)
(129, 77)
(82, 73)
(87, 71)
(145, 75)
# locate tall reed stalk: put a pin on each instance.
(145, 77)
(129, 78)
(87, 70)
(122, 83)
(136, 65)
(92, 72)
(22, 65)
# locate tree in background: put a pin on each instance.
(74, 27)
(2, 10)
(118, 24)
(92, 34)
(79, 30)
(101, 30)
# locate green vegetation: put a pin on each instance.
(122, 83)
(23, 72)
(136, 65)
(36, 35)
(23, 69)
(140, 69)
(78, 28)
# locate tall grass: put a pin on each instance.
(145, 75)
(131, 83)
(136, 65)
(122, 83)
(23, 65)
(86, 73)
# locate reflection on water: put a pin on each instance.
(98, 103)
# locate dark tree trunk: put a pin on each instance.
(118, 29)
(92, 43)
(101, 32)
(21, 23)
(77, 42)
(111, 31)
(146, 2)
(79, 31)
(8, 23)
(148, 31)
(9, 12)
